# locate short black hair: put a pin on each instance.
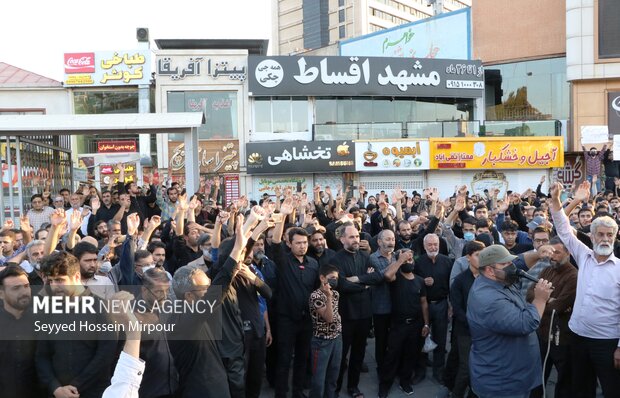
(10, 272)
(483, 223)
(327, 269)
(140, 254)
(155, 245)
(472, 247)
(296, 231)
(36, 195)
(63, 190)
(60, 264)
(84, 247)
(470, 221)
(510, 226)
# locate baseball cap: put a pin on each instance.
(495, 254)
(536, 221)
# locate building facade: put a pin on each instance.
(304, 25)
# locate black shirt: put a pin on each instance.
(458, 298)
(439, 271)
(355, 298)
(406, 295)
(325, 258)
(520, 248)
(182, 254)
(106, 214)
(18, 344)
(193, 346)
(296, 280)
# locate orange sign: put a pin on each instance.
(214, 156)
(500, 153)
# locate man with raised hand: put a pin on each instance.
(595, 320)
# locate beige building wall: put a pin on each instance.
(590, 106)
(508, 30)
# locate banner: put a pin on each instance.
(445, 35)
(500, 153)
(117, 146)
(402, 155)
(613, 112)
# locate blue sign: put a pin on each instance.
(443, 36)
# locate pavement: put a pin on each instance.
(428, 388)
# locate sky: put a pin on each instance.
(34, 35)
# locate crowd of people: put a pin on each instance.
(306, 280)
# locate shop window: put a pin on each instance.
(277, 116)
(529, 90)
(219, 108)
(99, 102)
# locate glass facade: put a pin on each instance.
(281, 115)
(90, 102)
(528, 90)
(220, 109)
(388, 110)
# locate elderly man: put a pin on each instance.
(504, 360)
(595, 320)
(435, 268)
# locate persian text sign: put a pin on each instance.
(116, 146)
(362, 76)
(400, 155)
(300, 157)
(108, 68)
(214, 156)
(500, 153)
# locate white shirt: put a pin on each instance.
(127, 378)
(596, 312)
(84, 227)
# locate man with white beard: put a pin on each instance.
(595, 320)
(435, 269)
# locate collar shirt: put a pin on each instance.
(596, 313)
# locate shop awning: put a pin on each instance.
(108, 124)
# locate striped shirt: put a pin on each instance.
(38, 218)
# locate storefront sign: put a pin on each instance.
(110, 171)
(108, 68)
(572, 173)
(613, 112)
(214, 156)
(362, 76)
(443, 36)
(392, 155)
(117, 146)
(267, 185)
(300, 157)
(500, 153)
(180, 67)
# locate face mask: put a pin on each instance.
(148, 267)
(333, 282)
(206, 253)
(592, 153)
(407, 268)
(510, 275)
(105, 267)
(469, 236)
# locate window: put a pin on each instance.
(341, 16)
(342, 32)
(218, 107)
(529, 90)
(340, 3)
(97, 102)
(280, 115)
